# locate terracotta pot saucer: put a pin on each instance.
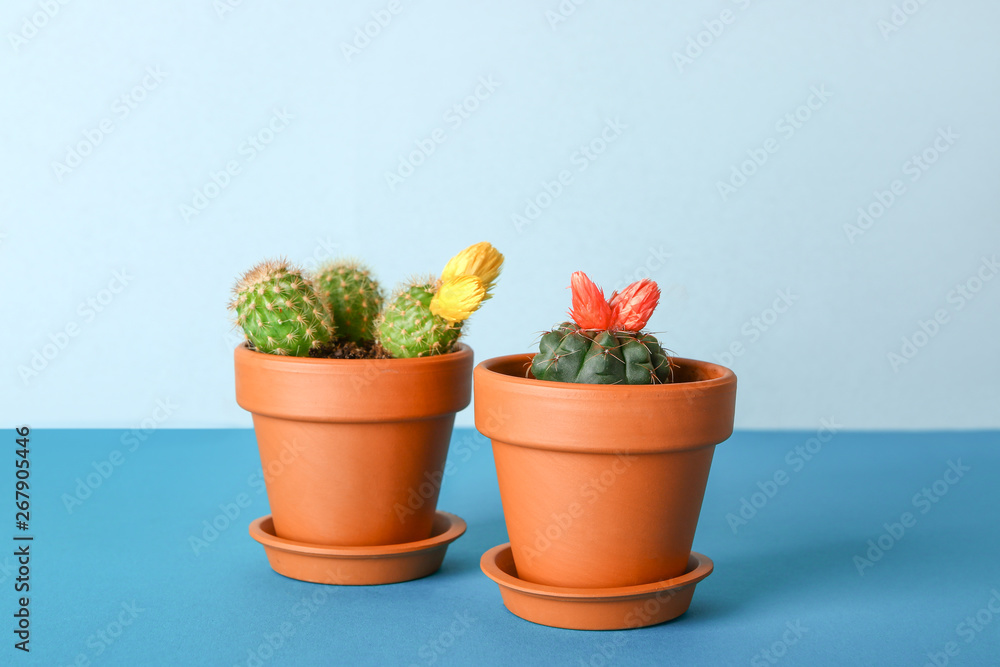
(618, 608)
(358, 565)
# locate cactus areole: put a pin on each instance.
(353, 297)
(604, 344)
(408, 328)
(279, 310)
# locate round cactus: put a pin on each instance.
(352, 296)
(604, 344)
(280, 311)
(571, 354)
(408, 328)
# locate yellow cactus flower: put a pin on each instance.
(458, 297)
(481, 260)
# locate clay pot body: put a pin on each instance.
(602, 485)
(353, 451)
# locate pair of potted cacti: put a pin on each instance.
(602, 442)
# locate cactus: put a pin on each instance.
(426, 318)
(336, 314)
(280, 311)
(571, 354)
(353, 297)
(604, 344)
(480, 260)
(408, 328)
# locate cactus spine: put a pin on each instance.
(408, 328)
(571, 354)
(280, 311)
(426, 318)
(352, 296)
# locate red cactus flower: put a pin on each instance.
(632, 307)
(590, 309)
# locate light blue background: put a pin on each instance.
(649, 203)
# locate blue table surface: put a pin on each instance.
(817, 573)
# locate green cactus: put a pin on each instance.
(408, 328)
(571, 354)
(353, 297)
(280, 311)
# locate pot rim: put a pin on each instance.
(699, 567)
(353, 390)
(452, 527)
(602, 418)
(461, 351)
(723, 376)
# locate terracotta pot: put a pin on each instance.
(353, 450)
(602, 485)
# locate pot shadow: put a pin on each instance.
(743, 582)
(464, 554)
(803, 574)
